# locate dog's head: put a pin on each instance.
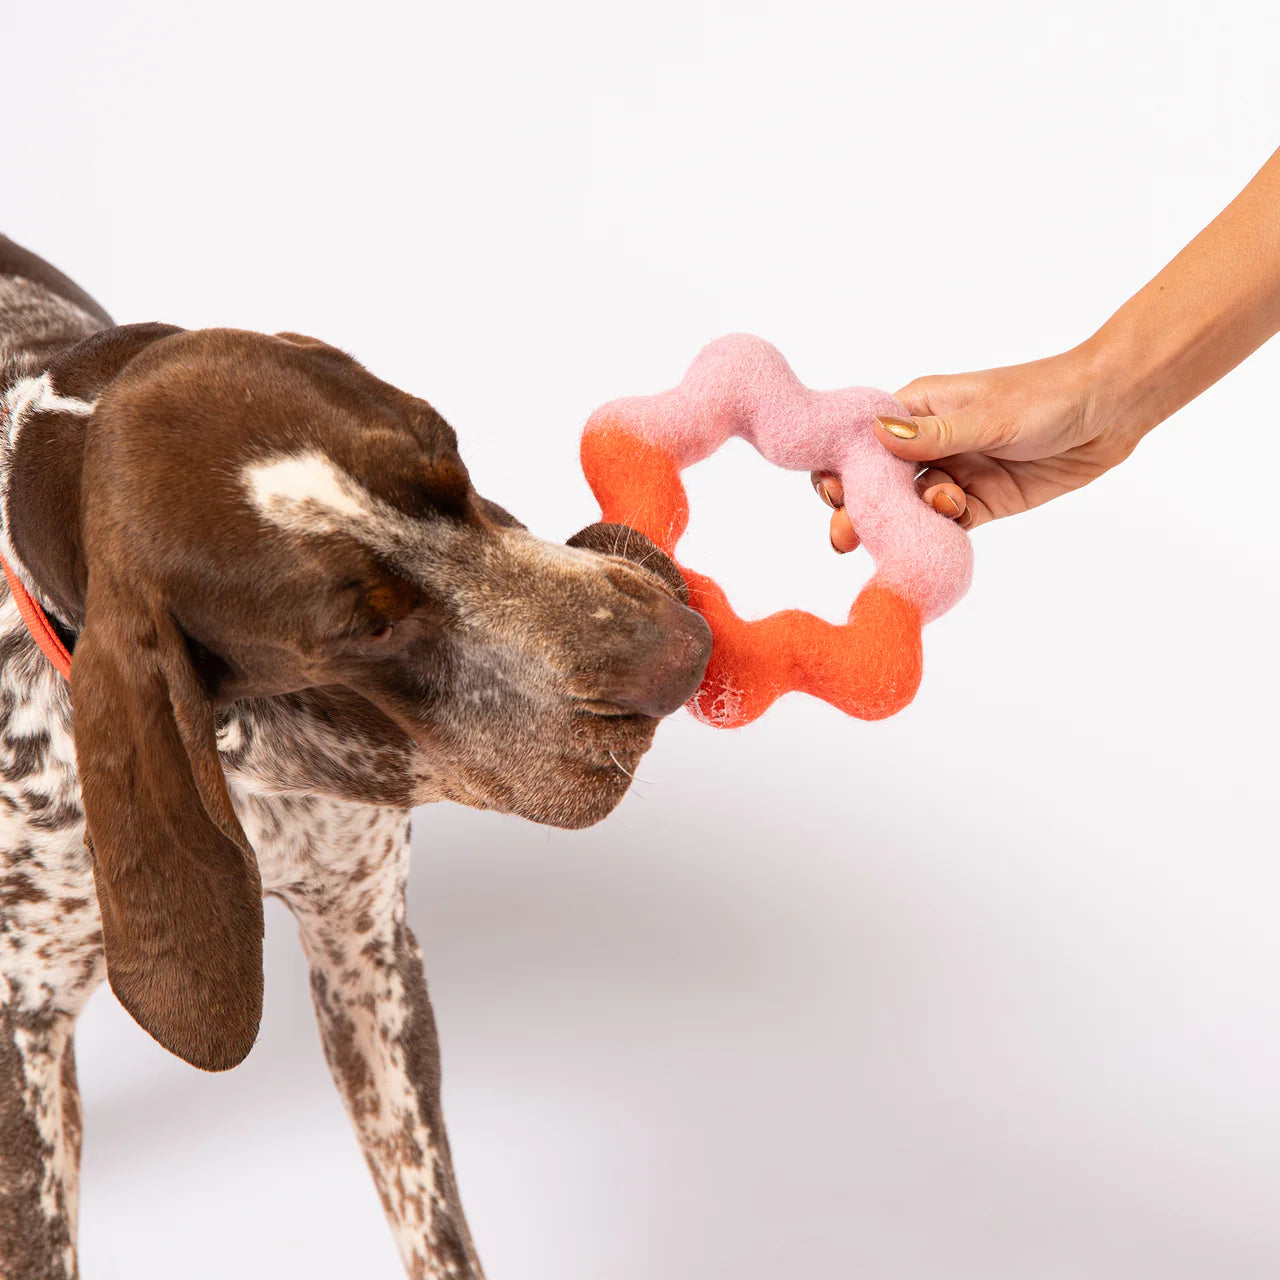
(230, 520)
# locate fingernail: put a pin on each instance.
(832, 538)
(951, 507)
(903, 428)
(821, 487)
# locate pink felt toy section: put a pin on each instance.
(633, 450)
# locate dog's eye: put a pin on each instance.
(369, 633)
(378, 607)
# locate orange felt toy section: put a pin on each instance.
(868, 667)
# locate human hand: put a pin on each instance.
(999, 441)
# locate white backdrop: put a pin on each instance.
(989, 990)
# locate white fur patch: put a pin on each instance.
(304, 490)
(29, 395)
(309, 494)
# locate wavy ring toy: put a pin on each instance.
(633, 451)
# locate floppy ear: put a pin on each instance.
(177, 880)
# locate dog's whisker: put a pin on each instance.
(623, 769)
(628, 524)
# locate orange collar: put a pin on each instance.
(37, 622)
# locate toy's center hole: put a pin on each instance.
(761, 533)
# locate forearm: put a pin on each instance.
(1211, 307)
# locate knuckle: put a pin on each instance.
(944, 433)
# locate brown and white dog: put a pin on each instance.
(293, 620)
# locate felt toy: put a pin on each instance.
(633, 451)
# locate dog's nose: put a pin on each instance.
(656, 649)
(665, 663)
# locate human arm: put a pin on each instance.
(1001, 441)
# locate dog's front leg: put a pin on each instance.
(39, 1145)
(379, 1036)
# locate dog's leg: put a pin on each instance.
(39, 1146)
(50, 962)
(379, 1034)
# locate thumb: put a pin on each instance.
(940, 435)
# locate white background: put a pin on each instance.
(989, 990)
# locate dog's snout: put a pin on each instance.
(663, 664)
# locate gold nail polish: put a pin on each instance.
(903, 428)
(944, 496)
(824, 495)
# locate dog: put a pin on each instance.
(291, 620)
